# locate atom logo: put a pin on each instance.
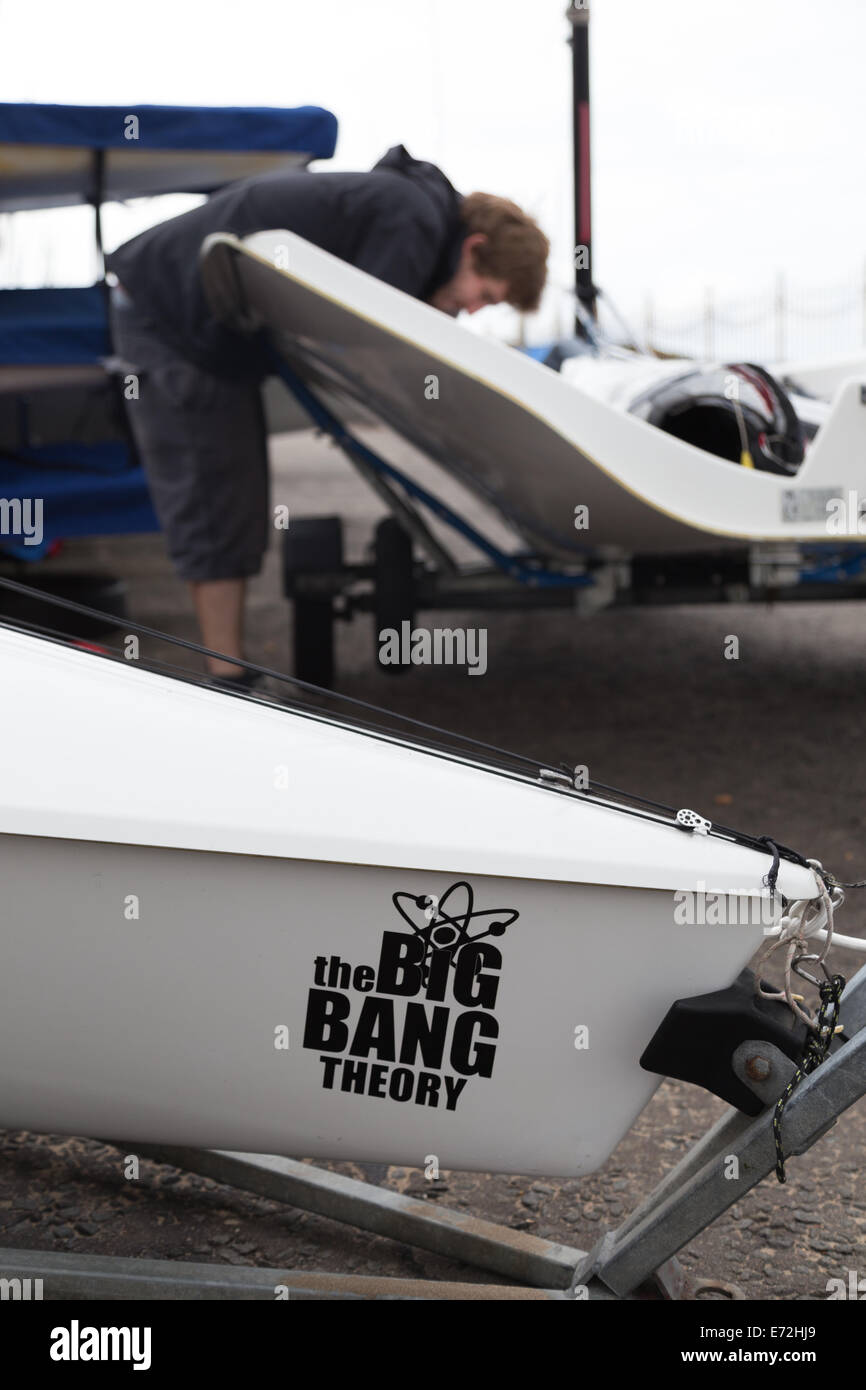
(443, 924)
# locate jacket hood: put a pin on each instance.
(427, 176)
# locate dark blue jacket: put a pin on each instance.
(400, 222)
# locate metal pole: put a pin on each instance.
(709, 324)
(96, 199)
(109, 1277)
(649, 330)
(514, 1254)
(578, 16)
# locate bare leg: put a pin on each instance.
(219, 606)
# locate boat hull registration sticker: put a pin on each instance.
(806, 504)
(421, 1023)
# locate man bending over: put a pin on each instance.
(199, 422)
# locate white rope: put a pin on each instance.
(805, 922)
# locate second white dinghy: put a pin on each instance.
(233, 924)
(534, 443)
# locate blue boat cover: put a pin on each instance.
(109, 153)
(97, 489)
(86, 490)
(55, 327)
(309, 129)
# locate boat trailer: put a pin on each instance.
(394, 585)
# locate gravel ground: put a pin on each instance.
(770, 743)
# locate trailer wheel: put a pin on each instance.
(312, 561)
(395, 584)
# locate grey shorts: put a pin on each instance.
(202, 441)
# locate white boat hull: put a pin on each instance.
(199, 1022)
(525, 439)
(186, 929)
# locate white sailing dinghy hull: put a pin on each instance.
(530, 441)
(231, 925)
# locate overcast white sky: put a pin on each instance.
(728, 138)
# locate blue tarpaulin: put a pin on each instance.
(309, 129)
(93, 489)
(117, 152)
(65, 327)
(88, 491)
(53, 156)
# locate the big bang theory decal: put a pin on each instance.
(420, 1023)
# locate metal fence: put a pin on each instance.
(786, 321)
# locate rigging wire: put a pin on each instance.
(631, 803)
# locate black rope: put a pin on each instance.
(777, 850)
(128, 624)
(631, 801)
(815, 1052)
(772, 874)
(255, 696)
(183, 673)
